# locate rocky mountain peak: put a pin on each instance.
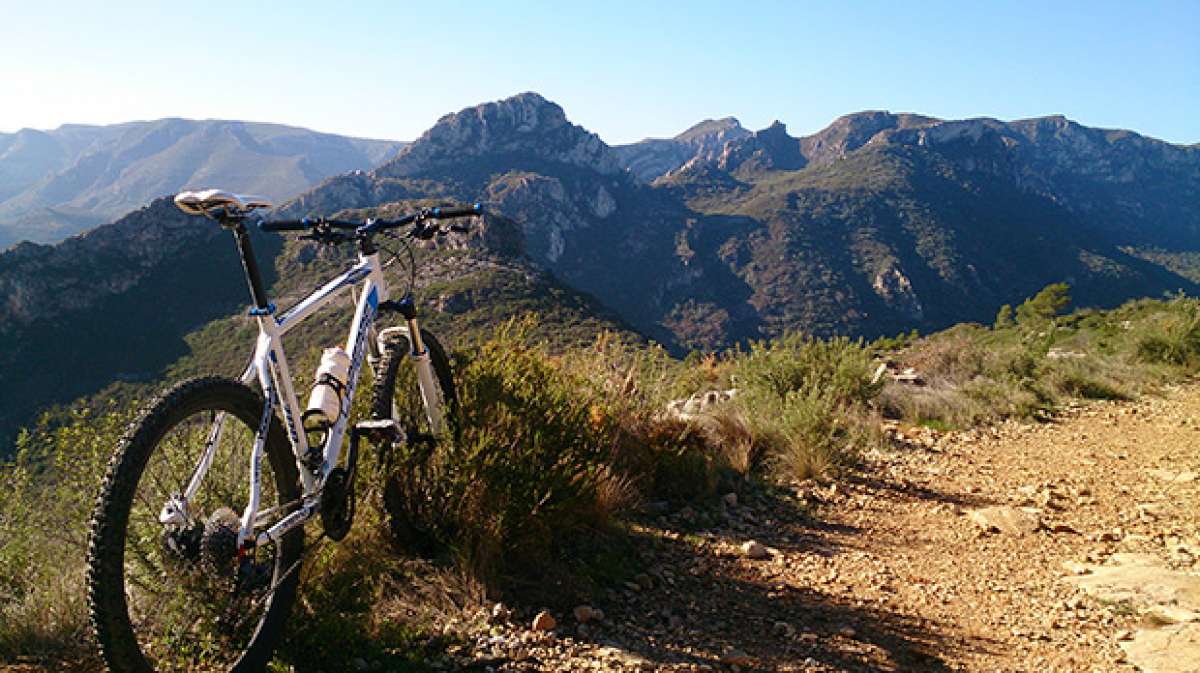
(711, 131)
(770, 148)
(782, 150)
(703, 142)
(525, 124)
(850, 132)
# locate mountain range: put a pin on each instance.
(877, 224)
(57, 183)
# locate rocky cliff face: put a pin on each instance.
(768, 149)
(652, 158)
(526, 125)
(521, 155)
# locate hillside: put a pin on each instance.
(1022, 502)
(173, 295)
(57, 183)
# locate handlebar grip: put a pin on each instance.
(285, 225)
(456, 211)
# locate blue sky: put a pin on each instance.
(625, 70)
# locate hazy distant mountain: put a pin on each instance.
(57, 183)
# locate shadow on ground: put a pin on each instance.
(720, 602)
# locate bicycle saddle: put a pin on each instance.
(202, 202)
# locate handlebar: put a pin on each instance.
(306, 224)
(370, 226)
(457, 211)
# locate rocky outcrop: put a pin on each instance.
(525, 124)
(548, 213)
(768, 149)
(850, 132)
(896, 290)
(655, 157)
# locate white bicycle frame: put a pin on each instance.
(270, 367)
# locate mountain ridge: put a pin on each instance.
(720, 233)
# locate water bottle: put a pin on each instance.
(328, 392)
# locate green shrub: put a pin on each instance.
(1083, 380)
(820, 434)
(46, 497)
(805, 400)
(1172, 340)
(1044, 305)
(840, 367)
(530, 467)
(1004, 317)
(991, 400)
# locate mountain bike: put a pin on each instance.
(196, 540)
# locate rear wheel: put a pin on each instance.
(178, 596)
(397, 396)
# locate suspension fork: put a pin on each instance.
(431, 391)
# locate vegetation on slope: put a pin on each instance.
(561, 449)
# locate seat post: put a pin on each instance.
(249, 264)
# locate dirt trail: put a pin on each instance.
(896, 571)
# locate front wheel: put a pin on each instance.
(398, 396)
(178, 595)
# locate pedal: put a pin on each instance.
(380, 430)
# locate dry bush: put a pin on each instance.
(954, 356)
(430, 597)
(734, 439)
(1087, 379)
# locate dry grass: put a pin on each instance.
(734, 439)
